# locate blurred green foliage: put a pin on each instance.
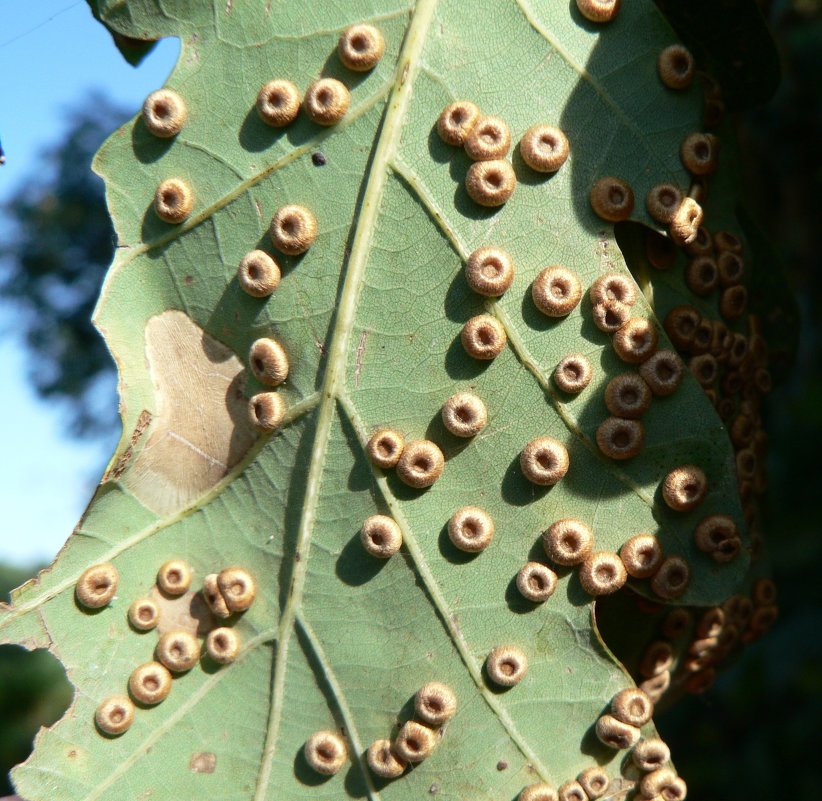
(34, 691)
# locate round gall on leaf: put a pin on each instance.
(238, 588)
(489, 271)
(415, 742)
(382, 760)
(568, 541)
(174, 577)
(641, 555)
(164, 113)
(632, 706)
(602, 573)
(618, 438)
(213, 597)
(572, 791)
(420, 464)
(268, 361)
(556, 291)
(675, 66)
(651, 754)
(573, 373)
(223, 645)
(361, 47)
(662, 202)
(490, 183)
(173, 200)
(266, 411)
(483, 337)
(97, 585)
(381, 536)
(662, 372)
(326, 101)
(616, 734)
(179, 651)
(612, 199)
(464, 414)
(686, 221)
(150, 683)
(471, 529)
(435, 703)
(627, 396)
(672, 578)
(456, 121)
(636, 340)
(278, 103)
(594, 781)
(115, 715)
(610, 315)
(506, 665)
(684, 488)
(489, 139)
(293, 230)
(613, 287)
(325, 752)
(538, 792)
(385, 448)
(536, 582)
(599, 10)
(258, 274)
(144, 614)
(544, 461)
(544, 148)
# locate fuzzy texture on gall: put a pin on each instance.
(150, 683)
(435, 703)
(657, 658)
(326, 101)
(325, 752)
(536, 582)
(381, 536)
(471, 529)
(538, 792)
(632, 706)
(636, 340)
(544, 461)
(663, 783)
(278, 103)
(506, 665)
(672, 578)
(686, 221)
(179, 651)
(489, 271)
(223, 645)
(651, 754)
(627, 396)
(544, 148)
(97, 585)
(174, 577)
(258, 274)
(616, 734)
(385, 448)
(610, 315)
(293, 230)
(213, 597)
(483, 337)
(456, 121)
(268, 361)
(144, 614)
(620, 439)
(612, 199)
(266, 411)
(594, 781)
(662, 372)
(420, 464)
(572, 791)
(613, 286)
(490, 139)
(173, 200)
(164, 113)
(556, 291)
(685, 487)
(382, 760)
(702, 275)
(115, 715)
(602, 573)
(415, 742)
(568, 541)
(237, 587)
(662, 202)
(699, 153)
(490, 183)
(641, 555)
(675, 66)
(361, 47)
(598, 10)
(464, 414)
(573, 373)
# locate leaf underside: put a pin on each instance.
(370, 318)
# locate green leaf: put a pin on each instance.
(371, 319)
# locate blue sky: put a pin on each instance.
(52, 55)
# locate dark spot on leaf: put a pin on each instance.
(318, 159)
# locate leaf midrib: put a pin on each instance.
(388, 138)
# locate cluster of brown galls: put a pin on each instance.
(434, 704)
(556, 291)
(688, 650)
(229, 592)
(293, 228)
